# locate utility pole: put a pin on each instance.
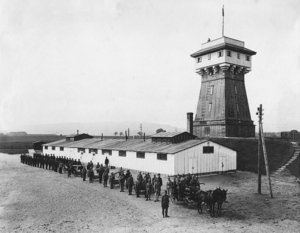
(259, 113)
(261, 134)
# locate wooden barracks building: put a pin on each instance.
(165, 153)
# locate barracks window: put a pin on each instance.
(61, 148)
(53, 147)
(208, 149)
(162, 156)
(122, 153)
(95, 151)
(140, 155)
(81, 150)
(106, 152)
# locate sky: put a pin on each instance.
(129, 60)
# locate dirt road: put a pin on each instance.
(38, 200)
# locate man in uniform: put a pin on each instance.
(91, 174)
(105, 178)
(157, 190)
(169, 186)
(130, 184)
(98, 168)
(148, 190)
(84, 171)
(140, 177)
(106, 162)
(165, 204)
(160, 183)
(112, 180)
(126, 178)
(101, 171)
(122, 180)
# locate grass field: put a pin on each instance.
(21, 144)
(279, 152)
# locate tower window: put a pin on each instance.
(207, 131)
(238, 55)
(220, 53)
(235, 90)
(237, 108)
(248, 58)
(209, 56)
(209, 107)
(228, 53)
(199, 59)
(210, 90)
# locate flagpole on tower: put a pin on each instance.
(223, 21)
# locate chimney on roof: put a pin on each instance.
(77, 131)
(190, 122)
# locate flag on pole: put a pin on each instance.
(223, 11)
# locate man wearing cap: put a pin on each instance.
(165, 204)
(160, 183)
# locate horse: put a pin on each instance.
(219, 197)
(203, 197)
(211, 198)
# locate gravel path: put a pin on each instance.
(37, 200)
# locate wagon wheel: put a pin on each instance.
(199, 206)
(186, 201)
(173, 199)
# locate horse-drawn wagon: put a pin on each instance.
(189, 194)
(77, 170)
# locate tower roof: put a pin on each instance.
(223, 43)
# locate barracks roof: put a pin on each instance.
(129, 145)
(166, 134)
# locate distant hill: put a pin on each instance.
(21, 133)
(107, 128)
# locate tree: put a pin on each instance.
(116, 133)
(160, 130)
(121, 134)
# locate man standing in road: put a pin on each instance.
(165, 204)
(84, 171)
(105, 178)
(130, 184)
(159, 179)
